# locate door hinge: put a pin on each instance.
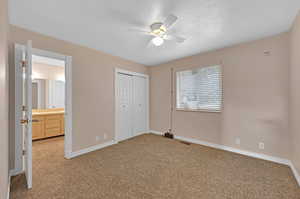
(24, 121)
(23, 152)
(23, 64)
(24, 108)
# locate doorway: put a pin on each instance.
(48, 97)
(43, 94)
(131, 104)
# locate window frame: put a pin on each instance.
(200, 109)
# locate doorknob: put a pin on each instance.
(24, 121)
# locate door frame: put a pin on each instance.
(68, 105)
(126, 72)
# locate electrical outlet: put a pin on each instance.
(267, 53)
(104, 136)
(261, 145)
(237, 141)
(97, 138)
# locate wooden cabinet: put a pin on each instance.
(53, 125)
(38, 127)
(47, 125)
(62, 123)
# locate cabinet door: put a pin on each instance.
(38, 127)
(53, 125)
(52, 132)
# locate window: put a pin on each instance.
(199, 89)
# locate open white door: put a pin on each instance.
(27, 111)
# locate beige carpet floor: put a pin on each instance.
(153, 167)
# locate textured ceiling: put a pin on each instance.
(104, 24)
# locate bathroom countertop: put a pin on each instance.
(48, 112)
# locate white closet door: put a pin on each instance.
(140, 105)
(125, 107)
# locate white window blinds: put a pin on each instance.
(199, 89)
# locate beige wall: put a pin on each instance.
(44, 71)
(3, 100)
(295, 92)
(93, 85)
(255, 97)
(256, 93)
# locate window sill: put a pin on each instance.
(198, 110)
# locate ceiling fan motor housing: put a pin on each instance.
(158, 29)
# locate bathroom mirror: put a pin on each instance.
(48, 94)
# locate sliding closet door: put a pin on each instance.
(124, 106)
(140, 105)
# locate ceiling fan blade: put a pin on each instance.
(176, 38)
(139, 31)
(170, 20)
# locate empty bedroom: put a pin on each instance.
(160, 99)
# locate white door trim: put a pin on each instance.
(121, 71)
(68, 107)
(68, 95)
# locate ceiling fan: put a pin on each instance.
(159, 31)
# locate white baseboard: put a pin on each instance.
(94, 148)
(295, 172)
(234, 150)
(239, 151)
(90, 149)
(156, 132)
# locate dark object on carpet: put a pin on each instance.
(169, 135)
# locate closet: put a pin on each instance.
(131, 105)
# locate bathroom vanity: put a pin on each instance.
(47, 123)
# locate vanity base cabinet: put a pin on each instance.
(45, 126)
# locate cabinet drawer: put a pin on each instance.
(53, 117)
(39, 118)
(53, 132)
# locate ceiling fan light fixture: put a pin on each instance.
(157, 41)
(159, 32)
